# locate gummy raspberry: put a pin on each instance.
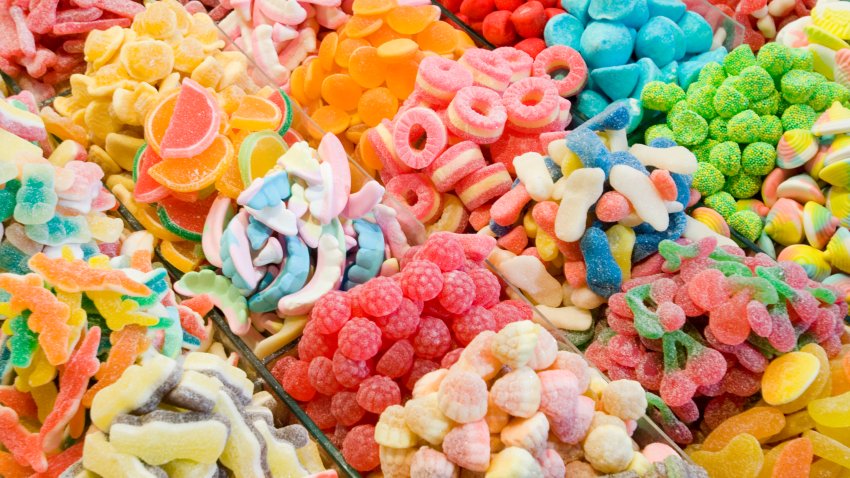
(420, 368)
(433, 339)
(281, 366)
(321, 375)
(349, 373)
(354, 296)
(359, 448)
(380, 296)
(345, 408)
(296, 381)
(458, 292)
(509, 311)
(397, 360)
(402, 323)
(445, 251)
(377, 393)
(432, 308)
(312, 345)
(331, 312)
(451, 358)
(471, 323)
(487, 287)
(421, 280)
(319, 410)
(359, 339)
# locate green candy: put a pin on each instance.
(758, 159)
(712, 74)
(701, 99)
(771, 129)
(718, 129)
(688, 127)
(726, 157)
(775, 58)
(8, 198)
(747, 223)
(728, 101)
(744, 127)
(703, 150)
(827, 93)
(657, 131)
(707, 179)
(742, 186)
(23, 342)
(722, 202)
(799, 117)
(798, 86)
(755, 83)
(802, 59)
(739, 59)
(767, 106)
(660, 96)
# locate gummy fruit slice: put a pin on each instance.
(259, 154)
(185, 219)
(158, 119)
(194, 123)
(147, 190)
(255, 114)
(279, 98)
(195, 173)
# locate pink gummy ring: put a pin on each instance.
(414, 126)
(454, 164)
(519, 62)
(417, 193)
(477, 114)
(484, 185)
(487, 69)
(439, 79)
(565, 66)
(532, 105)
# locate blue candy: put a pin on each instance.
(258, 233)
(13, 259)
(672, 9)
(290, 279)
(60, 230)
(589, 149)
(564, 29)
(606, 44)
(577, 8)
(689, 70)
(369, 257)
(614, 117)
(617, 81)
(555, 171)
(498, 230)
(628, 159)
(631, 13)
(647, 238)
(662, 143)
(648, 72)
(604, 276)
(670, 72)
(698, 33)
(275, 188)
(661, 40)
(590, 103)
(683, 186)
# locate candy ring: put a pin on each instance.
(484, 185)
(454, 217)
(414, 126)
(487, 69)
(439, 79)
(477, 114)
(519, 61)
(454, 164)
(565, 66)
(417, 192)
(532, 105)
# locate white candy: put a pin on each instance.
(271, 253)
(581, 191)
(639, 190)
(532, 172)
(677, 159)
(325, 278)
(529, 274)
(558, 151)
(567, 317)
(696, 231)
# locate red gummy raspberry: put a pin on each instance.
(471, 323)
(321, 375)
(331, 312)
(487, 287)
(509, 5)
(476, 10)
(421, 280)
(359, 339)
(319, 410)
(281, 366)
(397, 360)
(445, 251)
(498, 29)
(509, 311)
(451, 358)
(420, 368)
(433, 339)
(345, 408)
(529, 19)
(377, 393)
(296, 381)
(380, 296)
(359, 448)
(312, 345)
(402, 323)
(349, 373)
(458, 292)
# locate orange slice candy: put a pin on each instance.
(194, 123)
(196, 173)
(256, 114)
(158, 120)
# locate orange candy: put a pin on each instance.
(345, 48)
(327, 51)
(367, 68)
(376, 105)
(359, 27)
(372, 7)
(194, 174)
(342, 91)
(795, 459)
(412, 20)
(255, 114)
(331, 119)
(439, 37)
(127, 344)
(77, 275)
(158, 119)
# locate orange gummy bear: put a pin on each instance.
(127, 344)
(76, 275)
(48, 318)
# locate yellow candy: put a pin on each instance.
(742, 457)
(817, 386)
(122, 148)
(101, 45)
(100, 121)
(546, 246)
(188, 54)
(44, 397)
(529, 225)
(622, 241)
(157, 21)
(831, 411)
(828, 448)
(208, 73)
(147, 60)
(119, 312)
(788, 376)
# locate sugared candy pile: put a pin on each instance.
(800, 429)
(699, 321)
(472, 117)
(631, 43)
(512, 405)
(362, 348)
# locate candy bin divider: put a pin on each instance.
(476, 37)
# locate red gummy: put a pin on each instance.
(281, 366)
(532, 46)
(321, 376)
(458, 292)
(487, 287)
(509, 311)
(349, 373)
(319, 410)
(452, 5)
(509, 5)
(433, 339)
(451, 358)
(498, 29)
(421, 280)
(445, 251)
(706, 367)
(359, 339)
(377, 393)
(553, 12)
(476, 10)
(331, 312)
(359, 448)
(471, 323)
(296, 381)
(728, 321)
(650, 370)
(345, 408)
(420, 368)
(708, 289)
(397, 360)
(313, 344)
(402, 323)
(380, 296)
(741, 382)
(677, 388)
(624, 350)
(529, 19)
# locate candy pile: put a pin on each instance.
(804, 415)
(762, 19)
(42, 42)
(740, 126)
(365, 68)
(361, 348)
(699, 321)
(195, 417)
(512, 405)
(288, 244)
(432, 154)
(631, 43)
